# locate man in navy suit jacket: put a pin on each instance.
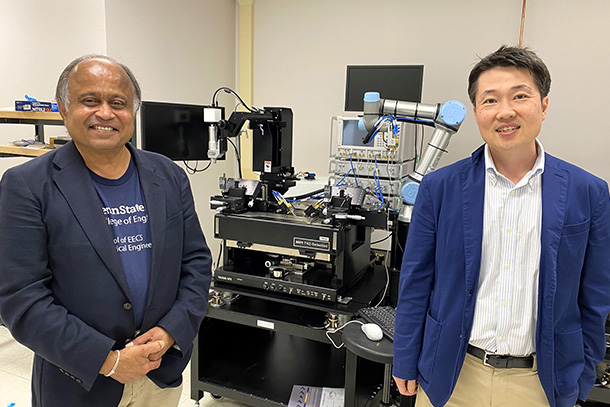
(505, 280)
(105, 271)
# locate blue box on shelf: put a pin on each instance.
(35, 106)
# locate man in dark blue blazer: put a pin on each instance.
(105, 271)
(505, 281)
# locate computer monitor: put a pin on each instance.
(396, 82)
(175, 130)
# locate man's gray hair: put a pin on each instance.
(62, 93)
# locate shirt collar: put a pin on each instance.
(538, 168)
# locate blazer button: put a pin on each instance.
(127, 306)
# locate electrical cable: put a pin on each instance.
(402, 249)
(353, 172)
(332, 331)
(393, 123)
(387, 274)
(252, 109)
(378, 191)
(382, 240)
(421, 144)
(338, 184)
(307, 195)
(195, 170)
(415, 146)
(237, 156)
(219, 254)
(387, 283)
(419, 121)
(305, 199)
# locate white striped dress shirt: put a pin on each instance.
(506, 304)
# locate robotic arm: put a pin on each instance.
(446, 119)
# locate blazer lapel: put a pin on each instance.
(554, 205)
(554, 201)
(74, 182)
(472, 178)
(154, 196)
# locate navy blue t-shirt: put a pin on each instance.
(125, 211)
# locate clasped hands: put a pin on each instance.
(139, 356)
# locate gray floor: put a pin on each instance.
(15, 371)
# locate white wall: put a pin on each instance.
(301, 50)
(181, 51)
(37, 40)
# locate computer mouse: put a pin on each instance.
(372, 331)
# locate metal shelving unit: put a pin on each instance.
(38, 119)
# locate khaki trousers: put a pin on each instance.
(145, 393)
(484, 386)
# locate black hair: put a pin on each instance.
(507, 56)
